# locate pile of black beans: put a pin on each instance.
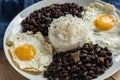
(40, 19)
(94, 60)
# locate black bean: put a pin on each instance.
(101, 71)
(103, 67)
(81, 8)
(34, 30)
(46, 74)
(83, 56)
(107, 64)
(96, 56)
(88, 78)
(65, 73)
(97, 49)
(88, 60)
(93, 68)
(24, 29)
(68, 68)
(47, 14)
(59, 67)
(31, 27)
(102, 53)
(109, 53)
(91, 72)
(59, 64)
(56, 79)
(110, 58)
(33, 21)
(85, 74)
(91, 52)
(71, 62)
(79, 63)
(88, 65)
(96, 45)
(91, 48)
(94, 76)
(67, 78)
(86, 46)
(26, 26)
(84, 51)
(50, 78)
(74, 68)
(110, 64)
(74, 76)
(91, 64)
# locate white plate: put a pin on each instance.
(15, 27)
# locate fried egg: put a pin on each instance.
(104, 23)
(30, 51)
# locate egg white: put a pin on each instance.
(43, 55)
(109, 38)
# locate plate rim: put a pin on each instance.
(5, 38)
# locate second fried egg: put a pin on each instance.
(30, 51)
(103, 21)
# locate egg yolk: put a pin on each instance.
(104, 22)
(25, 52)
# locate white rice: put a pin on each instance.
(67, 33)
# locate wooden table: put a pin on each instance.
(8, 73)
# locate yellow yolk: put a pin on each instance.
(104, 22)
(25, 52)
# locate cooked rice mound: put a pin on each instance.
(67, 33)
